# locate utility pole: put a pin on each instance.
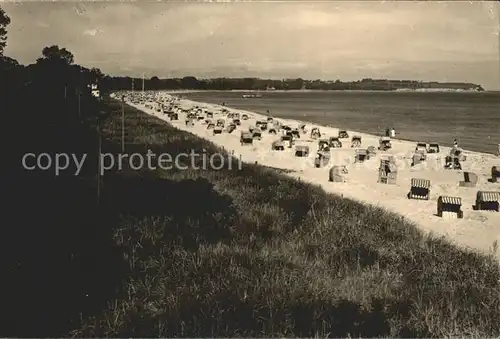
(99, 164)
(143, 74)
(123, 125)
(79, 106)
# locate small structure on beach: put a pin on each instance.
(174, 116)
(470, 180)
(419, 156)
(371, 150)
(388, 171)
(416, 159)
(452, 162)
(263, 125)
(287, 140)
(384, 143)
(246, 138)
(361, 155)
(419, 189)
(495, 174)
(256, 134)
(278, 145)
(301, 151)
(269, 119)
(231, 128)
(237, 121)
(302, 128)
(449, 207)
(458, 153)
(336, 174)
(244, 117)
(315, 133)
(189, 122)
(220, 123)
(487, 201)
(343, 134)
(210, 115)
(356, 141)
(433, 148)
(272, 131)
(421, 146)
(322, 158)
(217, 130)
(210, 125)
(322, 143)
(295, 133)
(335, 142)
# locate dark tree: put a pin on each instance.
(4, 22)
(56, 54)
(189, 82)
(155, 83)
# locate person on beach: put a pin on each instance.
(455, 143)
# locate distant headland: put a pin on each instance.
(257, 84)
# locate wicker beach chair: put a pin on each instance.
(278, 145)
(487, 201)
(322, 143)
(449, 207)
(343, 134)
(322, 158)
(356, 141)
(420, 189)
(336, 174)
(388, 171)
(301, 151)
(315, 133)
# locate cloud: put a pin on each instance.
(92, 32)
(317, 39)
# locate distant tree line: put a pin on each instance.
(224, 84)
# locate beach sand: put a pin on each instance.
(477, 229)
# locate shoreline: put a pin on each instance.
(477, 231)
(325, 125)
(321, 91)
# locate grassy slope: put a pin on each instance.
(254, 253)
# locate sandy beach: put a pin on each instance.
(477, 229)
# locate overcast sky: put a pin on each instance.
(443, 41)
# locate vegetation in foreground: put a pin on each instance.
(188, 253)
(254, 253)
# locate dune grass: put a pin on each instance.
(254, 253)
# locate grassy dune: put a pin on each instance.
(255, 253)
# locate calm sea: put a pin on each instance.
(472, 118)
